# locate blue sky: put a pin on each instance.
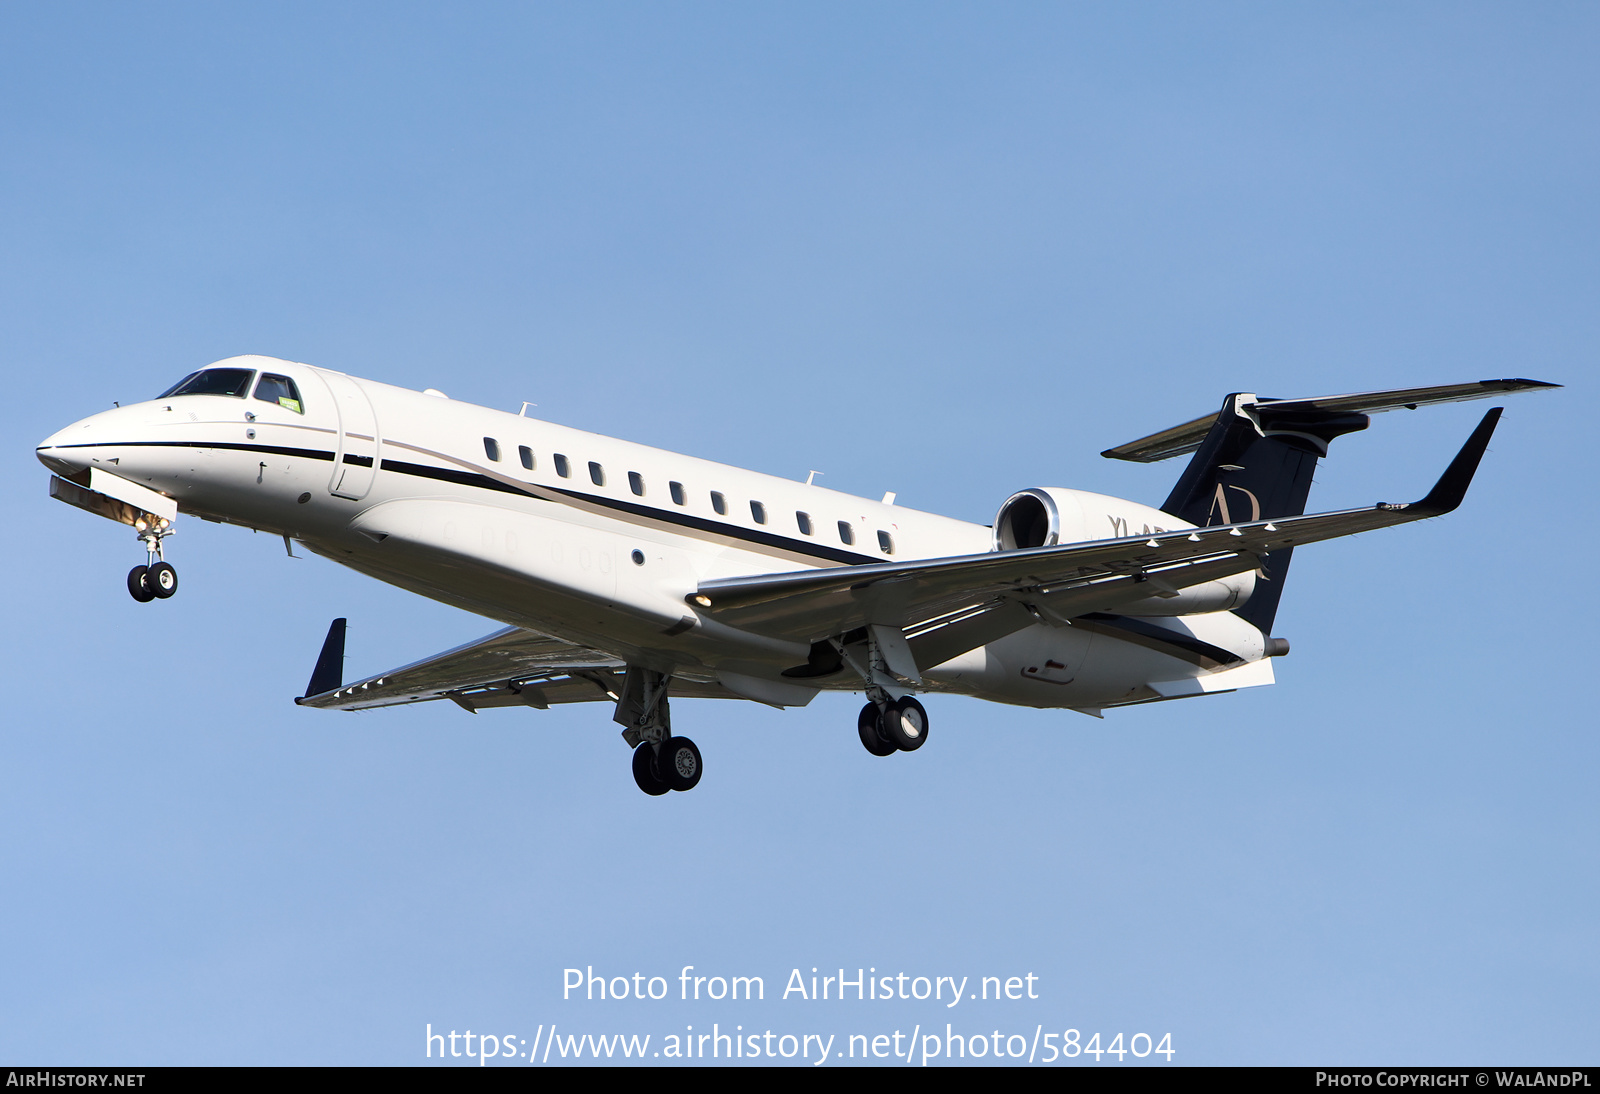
(948, 250)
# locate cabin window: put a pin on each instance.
(636, 483)
(212, 381)
(491, 448)
(803, 521)
(719, 503)
(563, 468)
(847, 534)
(280, 390)
(758, 512)
(527, 456)
(886, 543)
(597, 474)
(676, 489)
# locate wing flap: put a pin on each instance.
(586, 686)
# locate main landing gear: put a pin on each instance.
(674, 764)
(892, 721)
(156, 580)
(900, 725)
(661, 762)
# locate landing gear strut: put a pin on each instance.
(661, 762)
(155, 580)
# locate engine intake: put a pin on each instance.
(1029, 518)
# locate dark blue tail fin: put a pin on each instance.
(1256, 464)
(1254, 459)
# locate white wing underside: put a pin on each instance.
(511, 667)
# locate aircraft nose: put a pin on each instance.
(70, 450)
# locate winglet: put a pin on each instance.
(1452, 485)
(329, 673)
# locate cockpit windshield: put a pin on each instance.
(212, 381)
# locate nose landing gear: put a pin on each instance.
(156, 580)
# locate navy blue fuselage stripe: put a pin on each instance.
(484, 482)
(750, 535)
(1148, 631)
(276, 450)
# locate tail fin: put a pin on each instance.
(1254, 459)
(1255, 464)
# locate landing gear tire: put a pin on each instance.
(680, 763)
(905, 724)
(871, 739)
(645, 772)
(139, 584)
(162, 580)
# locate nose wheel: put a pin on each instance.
(157, 579)
(139, 584)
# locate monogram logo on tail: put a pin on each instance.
(1219, 505)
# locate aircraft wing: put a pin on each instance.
(1061, 581)
(511, 667)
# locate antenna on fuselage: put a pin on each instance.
(811, 475)
(523, 413)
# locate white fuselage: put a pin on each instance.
(603, 542)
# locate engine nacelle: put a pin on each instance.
(1052, 515)
(1046, 516)
(1221, 595)
(1028, 518)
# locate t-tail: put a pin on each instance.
(1254, 460)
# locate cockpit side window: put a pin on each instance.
(212, 381)
(280, 390)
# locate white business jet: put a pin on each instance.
(626, 573)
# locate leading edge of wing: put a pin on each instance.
(843, 595)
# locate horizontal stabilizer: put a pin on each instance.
(1185, 438)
